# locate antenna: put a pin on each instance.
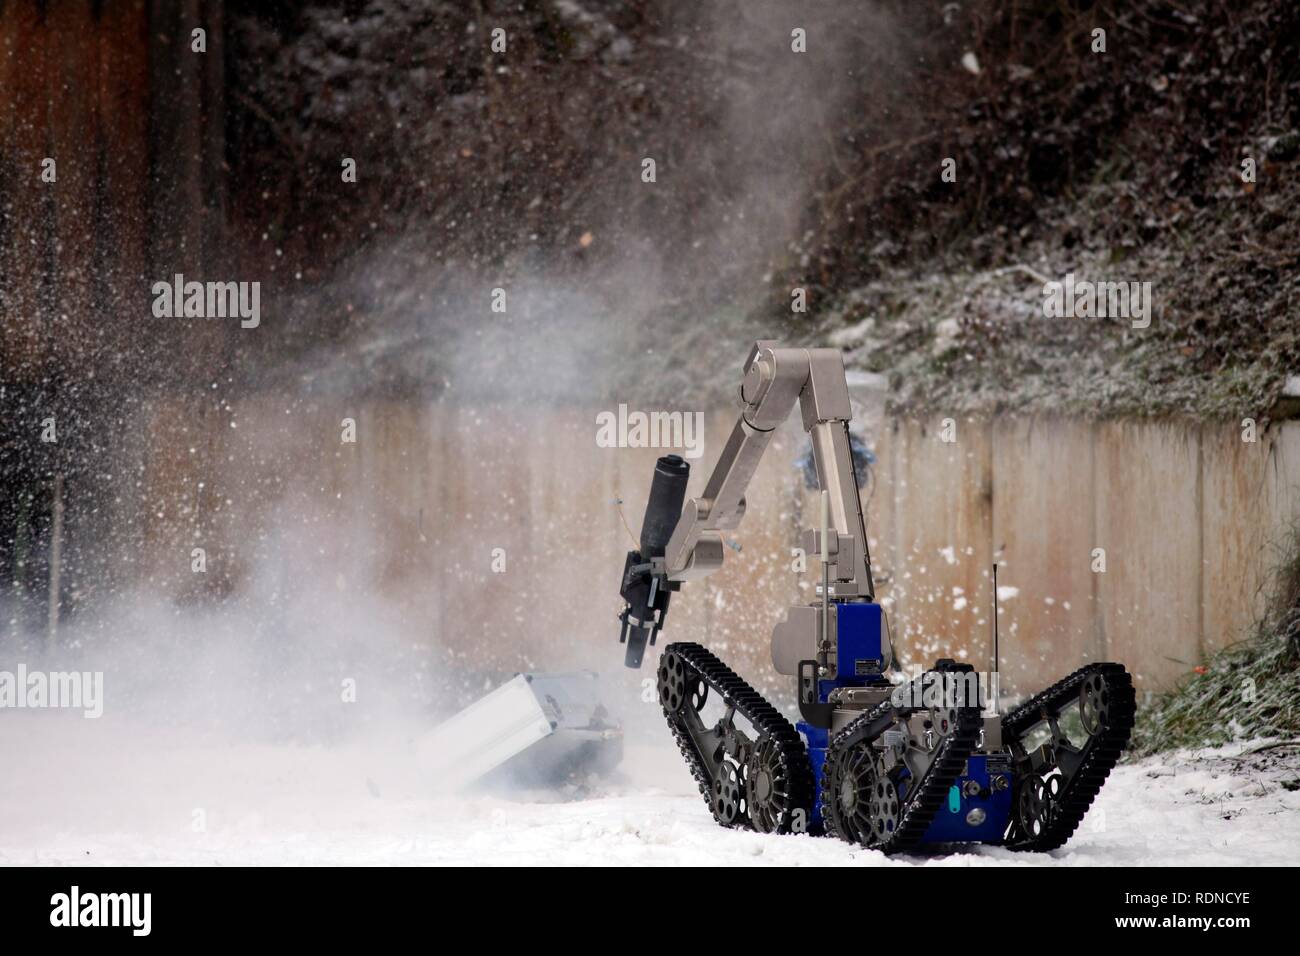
(997, 690)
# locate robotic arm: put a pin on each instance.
(680, 547)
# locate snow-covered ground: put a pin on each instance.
(84, 792)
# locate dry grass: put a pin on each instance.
(1248, 690)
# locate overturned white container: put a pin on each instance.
(537, 729)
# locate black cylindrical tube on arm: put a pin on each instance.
(667, 493)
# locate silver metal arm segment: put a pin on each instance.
(776, 378)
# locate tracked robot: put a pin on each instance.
(885, 764)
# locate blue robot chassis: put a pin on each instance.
(977, 806)
(886, 764)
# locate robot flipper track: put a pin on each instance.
(868, 801)
(761, 782)
(1059, 777)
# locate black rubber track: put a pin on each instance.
(1100, 753)
(925, 798)
(767, 722)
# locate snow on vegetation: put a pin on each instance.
(1247, 690)
(1174, 170)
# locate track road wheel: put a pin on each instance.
(674, 681)
(885, 805)
(848, 791)
(1094, 704)
(768, 790)
(1034, 808)
(727, 796)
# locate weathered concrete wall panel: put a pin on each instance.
(943, 509)
(1237, 524)
(410, 516)
(1042, 524)
(1148, 524)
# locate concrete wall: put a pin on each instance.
(1191, 520)
(412, 512)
